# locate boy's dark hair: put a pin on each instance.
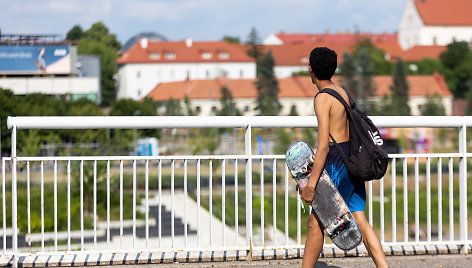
(323, 62)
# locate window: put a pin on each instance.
(241, 73)
(246, 108)
(206, 55)
(138, 74)
(155, 55)
(208, 74)
(213, 110)
(139, 92)
(198, 109)
(223, 55)
(435, 40)
(188, 74)
(170, 55)
(223, 74)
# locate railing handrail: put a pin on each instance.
(149, 122)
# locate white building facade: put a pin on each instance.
(148, 64)
(435, 22)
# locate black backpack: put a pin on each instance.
(367, 159)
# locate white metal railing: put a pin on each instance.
(212, 232)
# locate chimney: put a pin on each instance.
(188, 42)
(144, 42)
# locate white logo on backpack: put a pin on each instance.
(376, 138)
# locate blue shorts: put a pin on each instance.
(352, 191)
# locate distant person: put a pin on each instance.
(41, 61)
(332, 119)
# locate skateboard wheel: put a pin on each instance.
(310, 160)
(346, 218)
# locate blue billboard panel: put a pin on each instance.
(35, 59)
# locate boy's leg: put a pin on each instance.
(371, 240)
(314, 242)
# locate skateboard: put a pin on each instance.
(328, 204)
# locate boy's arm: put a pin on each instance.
(322, 108)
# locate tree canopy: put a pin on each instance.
(99, 41)
(253, 40)
(458, 61)
(228, 107)
(267, 87)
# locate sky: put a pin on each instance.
(201, 20)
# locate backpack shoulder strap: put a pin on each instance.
(336, 95)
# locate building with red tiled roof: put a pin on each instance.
(291, 51)
(298, 91)
(147, 63)
(435, 22)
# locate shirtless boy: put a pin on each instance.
(332, 119)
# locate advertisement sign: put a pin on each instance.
(46, 59)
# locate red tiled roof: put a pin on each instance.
(157, 52)
(418, 53)
(419, 85)
(340, 38)
(445, 12)
(298, 54)
(294, 87)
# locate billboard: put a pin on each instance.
(48, 59)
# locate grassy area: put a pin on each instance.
(256, 210)
(62, 206)
(292, 208)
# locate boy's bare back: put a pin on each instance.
(338, 123)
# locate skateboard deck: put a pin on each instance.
(328, 204)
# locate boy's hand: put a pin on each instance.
(307, 194)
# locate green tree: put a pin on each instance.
(293, 111)
(122, 140)
(75, 33)
(380, 61)
(231, 39)
(357, 71)
(173, 108)
(458, 59)
(267, 87)
(433, 106)
(228, 107)
(188, 107)
(348, 71)
(130, 107)
(98, 41)
(400, 89)
(430, 66)
(8, 107)
(468, 97)
(255, 50)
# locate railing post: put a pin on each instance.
(247, 145)
(463, 186)
(14, 198)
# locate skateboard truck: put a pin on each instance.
(338, 225)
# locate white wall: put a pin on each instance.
(286, 71)
(137, 80)
(272, 39)
(444, 35)
(52, 85)
(410, 26)
(412, 31)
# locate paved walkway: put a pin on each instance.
(420, 261)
